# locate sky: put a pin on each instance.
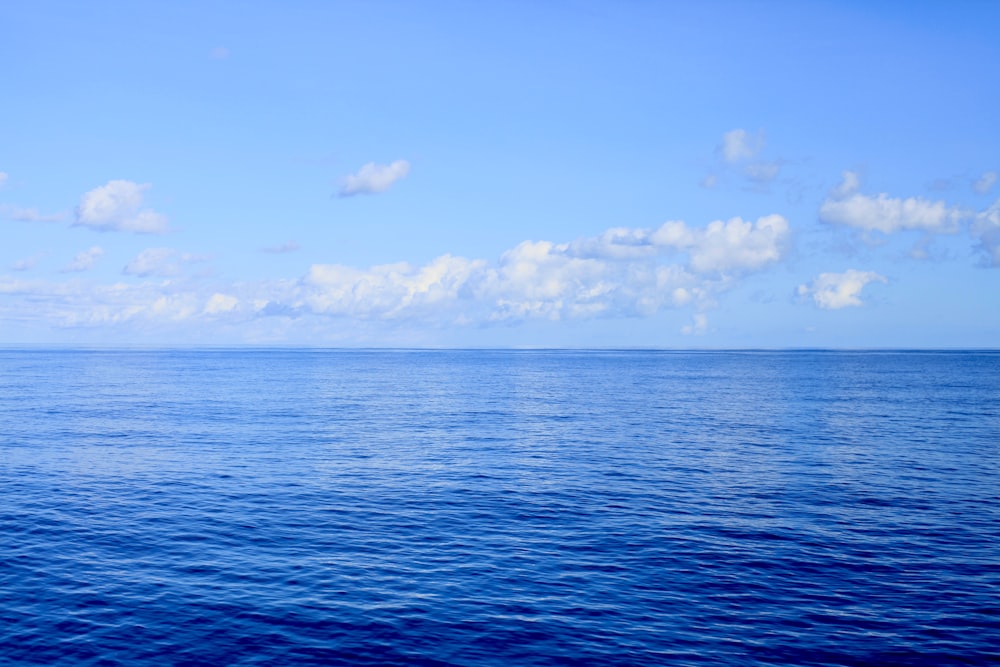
(503, 174)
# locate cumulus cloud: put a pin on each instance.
(832, 291)
(986, 229)
(985, 183)
(163, 262)
(287, 246)
(28, 214)
(738, 145)
(624, 272)
(618, 273)
(117, 206)
(374, 178)
(84, 260)
(882, 213)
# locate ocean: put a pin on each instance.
(401, 507)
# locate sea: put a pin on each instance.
(499, 507)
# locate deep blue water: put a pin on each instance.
(499, 508)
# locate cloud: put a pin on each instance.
(219, 53)
(738, 145)
(221, 303)
(84, 260)
(287, 246)
(164, 262)
(27, 263)
(698, 326)
(986, 229)
(618, 273)
(28, 214)
(985, 183)
(762, 173)
(3, 178)
(623, 272)
(374, 178)
(849, 184)
(832, 291)
(882, 213)
(117, 206)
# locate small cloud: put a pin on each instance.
(27, 263)
(740, 145)
(3, 178)
(164, 262)
(219, 53)
(28, 214)
(709, 182)
(986, 229)
(849, 184)
(985, 183)
(117, 206)
(287, 246)
(762, 173)
(698, 326)
(374, 178)
(84, 260)
(833, 291)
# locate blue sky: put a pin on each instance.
(501, 174)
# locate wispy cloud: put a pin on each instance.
(985, 183)
(27, 263)
(287, 246)
(163, 262)
(84, 260)
(117, 206)
(28, 214)
(986, 229)
(738, 145)
(219, 53)
(374, 178)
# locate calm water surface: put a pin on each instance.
(499, 508)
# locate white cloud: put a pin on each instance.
(985, 183)
(117, 206)
(986, 229)
(28, 214)
(374, 178)
(709, 182)
(624, 272)
(219, 53)
(740, 145)
(84, 260)
(832, 291)
(164, 262)
(287, 246)
(887, 214)
(3, 178)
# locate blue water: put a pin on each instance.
(499, 508)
